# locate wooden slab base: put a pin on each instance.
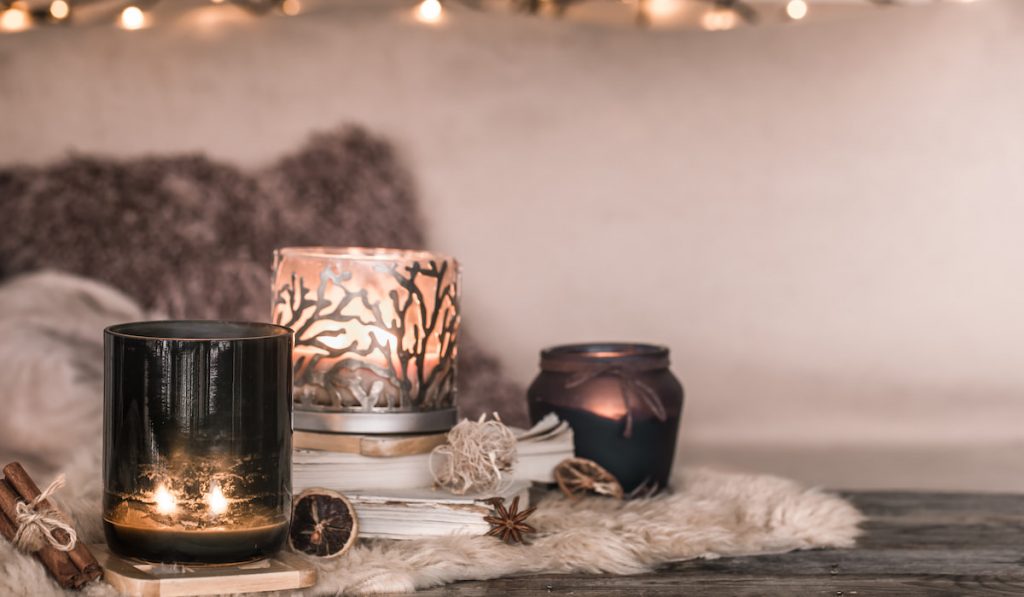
(283, 572)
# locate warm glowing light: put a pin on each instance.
(14, 19)
(165, 502)
(362, 337)
(59, 9)
(605, 400)
(291, 7)
(429, 11)
(719, 19)
(796, 9)
(217, 1)
(133, 18)
(662, 9)
(209, 19)
(216, 500)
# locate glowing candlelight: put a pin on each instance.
(375, 334)
(607, 400)
(216, 500)
(165, 502)
(622, 403)
(361, 336)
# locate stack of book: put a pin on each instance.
(388, 478)
(541, 448)
(428, 512)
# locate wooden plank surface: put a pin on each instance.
(914, 544)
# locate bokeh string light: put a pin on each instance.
(15, 17)
(720, 18)
(20, 15)
(291, 7)
(60, 10)
(132, 18)
(430, 12)
(796, 9)
(710, 15)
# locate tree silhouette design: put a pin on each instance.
(375, 354)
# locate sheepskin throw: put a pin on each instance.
(51, 372)
(190, 237)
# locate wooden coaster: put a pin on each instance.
(380, 446)
(283, 572)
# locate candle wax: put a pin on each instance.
(132, 532)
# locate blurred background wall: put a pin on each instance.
(823, 221)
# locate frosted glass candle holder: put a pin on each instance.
(376, 337)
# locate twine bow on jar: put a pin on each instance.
(37, 528)
(634, 391)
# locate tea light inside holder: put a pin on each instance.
(376, 337)
(197, 440)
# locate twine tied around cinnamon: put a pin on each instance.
(475, 456)
(36, 528)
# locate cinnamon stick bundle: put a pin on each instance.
(27, 488)
(57, 562)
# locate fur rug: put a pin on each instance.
(51, 372)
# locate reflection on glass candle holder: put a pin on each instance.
(197, 440)
(623, 404)
(216, 500)
(376, 337)
(164, 501)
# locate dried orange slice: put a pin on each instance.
(323, 524)
(579, 476)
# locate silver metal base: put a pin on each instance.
(341, 422)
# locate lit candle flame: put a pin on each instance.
(604, 398)
(216, 500)
(165, 502)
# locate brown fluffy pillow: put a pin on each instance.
(193, 238)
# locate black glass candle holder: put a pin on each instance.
(197, 440)
(623, 403)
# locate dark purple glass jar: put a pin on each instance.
(622, 402)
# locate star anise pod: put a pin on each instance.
(510, 524)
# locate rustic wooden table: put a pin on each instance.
(914, 544)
